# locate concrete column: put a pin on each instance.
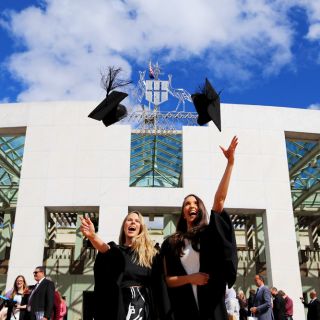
(27, 243)
(282, 256)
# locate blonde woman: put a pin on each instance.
(128, 277)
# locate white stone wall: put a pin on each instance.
(72, 160)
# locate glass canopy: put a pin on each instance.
(304, 169)
(11, 153)
(156, 160)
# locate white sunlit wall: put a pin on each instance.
(74, 164)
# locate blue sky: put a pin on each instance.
(256, 51)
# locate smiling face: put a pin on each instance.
(190, 210)
(193, 214)
(20, 284)
(131, 227)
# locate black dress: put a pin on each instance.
(218, 258)
(122, 285)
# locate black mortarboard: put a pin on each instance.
(207, 105)
(110, 110)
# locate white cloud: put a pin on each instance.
(314, 32)
(312, 10)
(67, 43)
(314, 106)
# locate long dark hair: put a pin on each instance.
(182, 232)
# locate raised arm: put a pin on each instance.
(87, 229)
(222, 190)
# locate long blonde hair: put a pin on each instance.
(142, 245)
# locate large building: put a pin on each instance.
(57, 164)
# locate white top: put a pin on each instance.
(191, 263)
(233, 308)
(16, 312)
(232, 303)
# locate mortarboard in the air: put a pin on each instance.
(207, 104)
(110, 110)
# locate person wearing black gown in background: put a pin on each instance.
(129, 282)
(200, 258)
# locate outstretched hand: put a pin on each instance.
(229, 153)
(87, 227)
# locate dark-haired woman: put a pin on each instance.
(201, 257)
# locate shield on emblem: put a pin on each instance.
(156, 91)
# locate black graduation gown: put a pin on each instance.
(218, 258)
(109, 268)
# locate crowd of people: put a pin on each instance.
(267, 304)
(37, 302)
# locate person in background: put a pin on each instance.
(19, 293)
(252, 294)
(288, 305)
(232, 304)
(65, 302)
(60, 308)
(243, 303)
(313, 306)
(279, 305)
(262, 308)
(41, 300)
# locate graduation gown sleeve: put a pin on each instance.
(218, 258)
(108, 269)
(218, 249)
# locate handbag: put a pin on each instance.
(232, 317)
(252, 317)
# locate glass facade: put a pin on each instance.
(156, 160)
(11, 154)
(304, 169)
